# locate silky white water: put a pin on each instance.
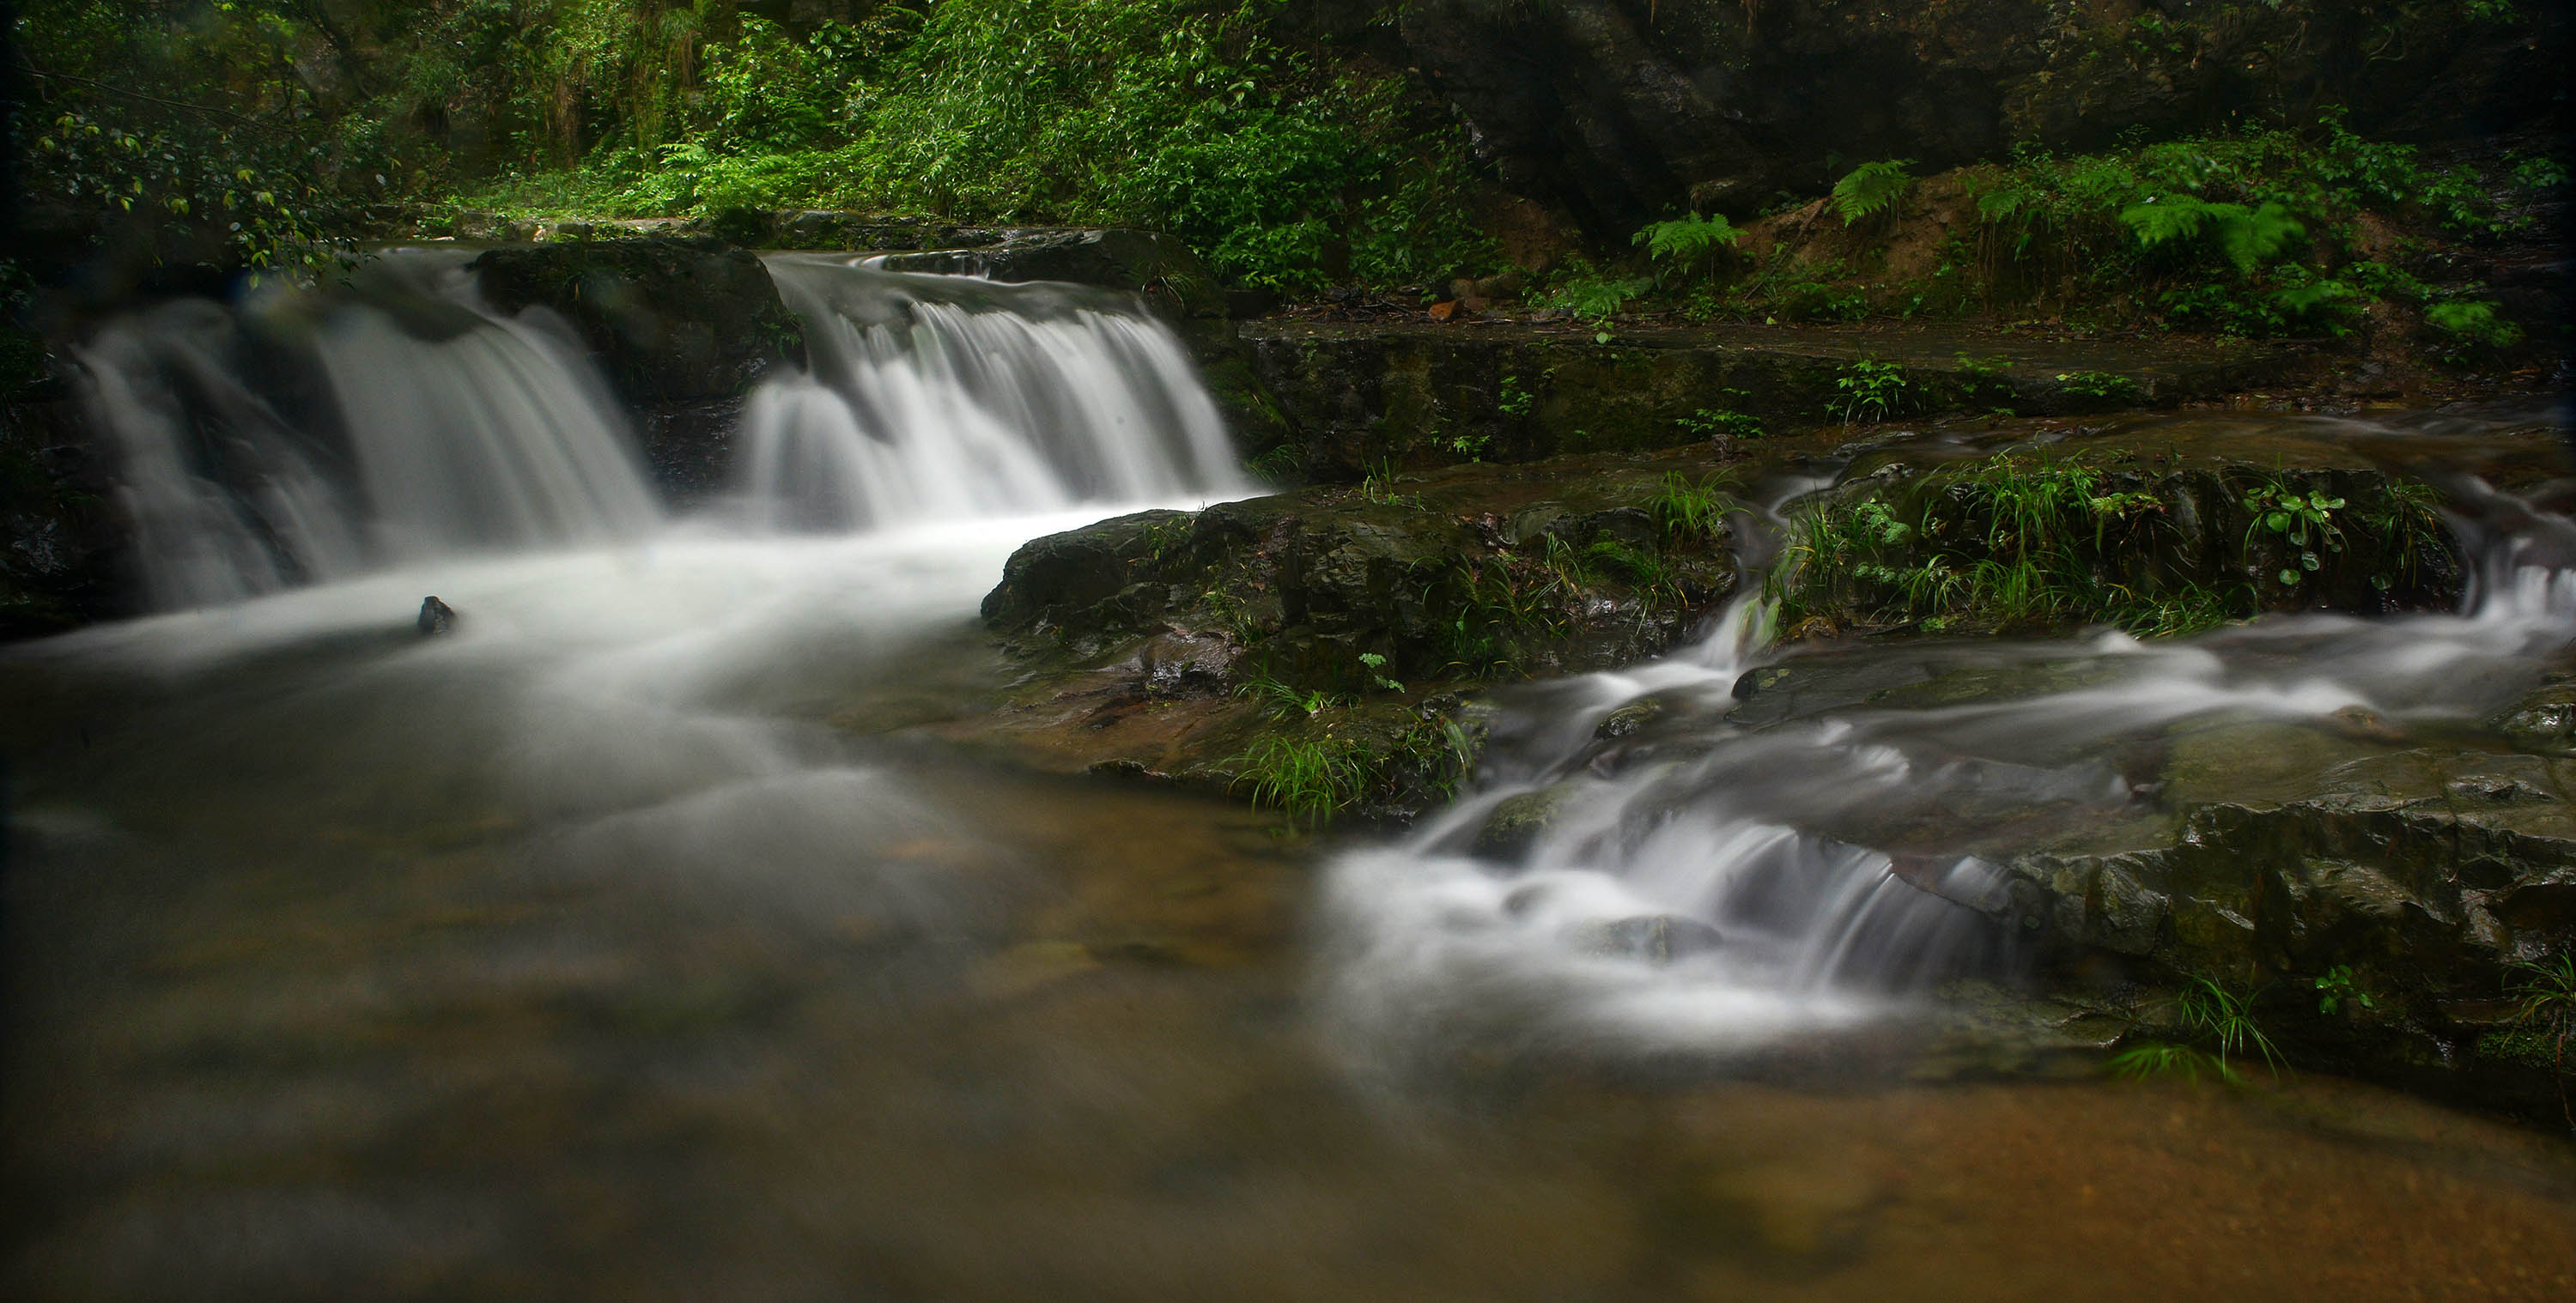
(1694, 884)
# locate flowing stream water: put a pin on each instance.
(624, 944)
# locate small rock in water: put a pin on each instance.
(436, 617)
(1628, 718)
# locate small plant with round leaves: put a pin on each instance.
(2304, 519)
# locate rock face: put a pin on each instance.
(682, 327)
(1556, 567)
(60, 548)
(1624, 109)
(1350, 396)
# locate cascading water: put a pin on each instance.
(1712, 868)
(938, 397)
(307, 437)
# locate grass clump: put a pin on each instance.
(2544, 992)
(1310, 780)
(2218, 1021)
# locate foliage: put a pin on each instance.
(2545, 1003)
(2152, 1059)
(2470, 324)
(1709, 423)
(1872, 188)
(1309, 780)
(1690, 243)
(2337, 989)
(2252, 233)
(2224, 1016)
(2304, 520)
(1280, 465)
(2100, 387)
(1871, 391)
(174, 130)
(1511, 399)
(1374, 666)
(2007, 542)
(1594, 299)
(2210, 1014)
(1690, 509)
(1282, 700)
(1193, 116)
(2248, 237)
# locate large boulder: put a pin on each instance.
(683, 328)
(1575, 564)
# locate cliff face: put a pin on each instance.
(1624, 109)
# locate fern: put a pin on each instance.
(1596, 299)
(1872, 188)
(2473, 321)
(1687, 239)
(2002, 204)
(2248, 237)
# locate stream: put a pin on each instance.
(624, 943)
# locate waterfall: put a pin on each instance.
(940, 397)
(304, 436)
(307, 436)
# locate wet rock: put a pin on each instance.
(2544, 721)
(1628, 719)
(1469, 573)
(436, 617)
(682, 328)
(1145, 262)
(671, 320)
(1517, 822)
(60, 548)
(1356, 394)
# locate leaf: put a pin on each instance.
(2290, 576)
(2278, 522)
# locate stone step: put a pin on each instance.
(1352, 396)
